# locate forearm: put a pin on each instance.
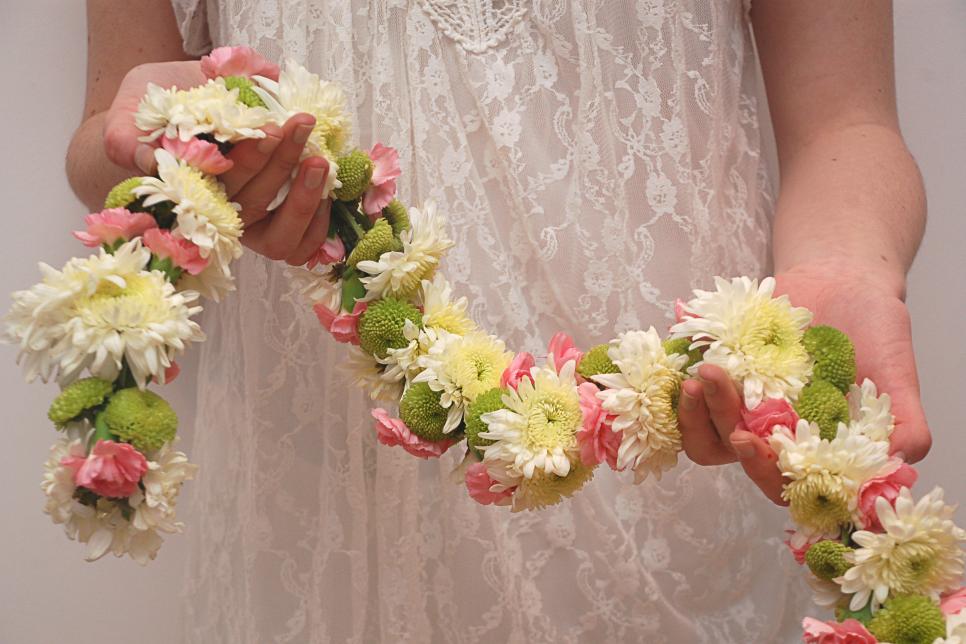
(90, 173)
(851, 197)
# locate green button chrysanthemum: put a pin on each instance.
(834, 356)
(355, 173)
(381, 326)
(822, 403)
(596, 362)
(377, 240)
(422, 413)
(486, 402)
(122, 194)
(826, 559)
(76, 398)
(141, 418)
(398, 216)
(246, 92)
(680, 346)
(908, 619)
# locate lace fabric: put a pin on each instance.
(597, 159)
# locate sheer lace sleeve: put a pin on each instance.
(192, 17)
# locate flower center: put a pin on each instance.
(137, 304)
(911, 566)
(552, 421)
(819, 500)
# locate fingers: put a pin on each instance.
(314, 236)
(258, 193)
(722, 399)
(760, 464)
(701, 442)
(121, 142)
(281, 235)
(249, 157)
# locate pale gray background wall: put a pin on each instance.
(47, 592)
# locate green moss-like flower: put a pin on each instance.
(822, 403)
(908, 619)
(680, 346)
(355, 173)
(834, 356)
(826, 559)
(486, 402)
(76, 398)
(141, 418)
(596, 362)
(397, 215)
(246, 91)
(381, 326)
(422, 413)
(122, 194)
(377, 240)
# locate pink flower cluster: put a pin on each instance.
(237, 61)
(113, 224)
(393, 431)
(111, 469)
(344, 327)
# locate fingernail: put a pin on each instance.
(144, 158)
(743, 449)
(267, 145)
(301, 134)
(688, 402)
(314, 176)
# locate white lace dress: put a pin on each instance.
(596, 159)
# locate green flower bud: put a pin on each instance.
(397, 215)
(246, 91)
(834, 356)
(422, 413)
(76, 398)
(596, 362)
(377, 240)
(381, 326)
(141, 418)
(355, 173)
(122, 195)
(908, 619)
(822, 403)
(486, 402)
(680, 346)
(826, 559)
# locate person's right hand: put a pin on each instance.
(292, 232)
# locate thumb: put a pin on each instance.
(121, 135)
(760, 463)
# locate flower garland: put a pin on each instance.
(534, 432)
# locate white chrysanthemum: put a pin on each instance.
(870, 414)
(537, 431)
(462, 368)
(439, 308)
(824, 592)
(825, 476)
(755, 337)
(205, 216)
(300, 91)
(316, 286)
(154, 506)
(58, 483)
(404, 363)
(642, 398)
(210, 109)
(955, 629)
(372, 377)
(918, 553)
(400, 273)
(100, 311)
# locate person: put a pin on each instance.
(596, 161)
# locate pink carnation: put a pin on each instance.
(478, 483)
(851, 631)
(108, 226)
(887, 484)
(597, 440)
(111, 469)
(519, 368)
(237, 61)
(393, 431)
(344, 327)
(770, 412)
(200, 154)
(798, 550)
(385, 171)
(562, 350)
(953, 602)
(182, 252)
(332, 251)
(171, 372)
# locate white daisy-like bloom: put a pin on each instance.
(101, 311)
(371, 376)
(870, 414)
(752, 335)
(154, 506)
(462, 368)
(210, 109)
(918, 553)
(58, 484)
(404, 363)
(537, 431)
(825, 476)
(824, 592)
(213, 282)
(400, 273)
(321, 286)
(300, 91)
(206, 217)
(642, 397)
(439, 308)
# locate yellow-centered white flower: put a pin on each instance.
(870, 413)
(643, 397)
(754, 336)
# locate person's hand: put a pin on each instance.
(868, 308)
(297, 228)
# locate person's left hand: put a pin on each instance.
(870, 310)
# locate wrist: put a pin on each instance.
(877, 276)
